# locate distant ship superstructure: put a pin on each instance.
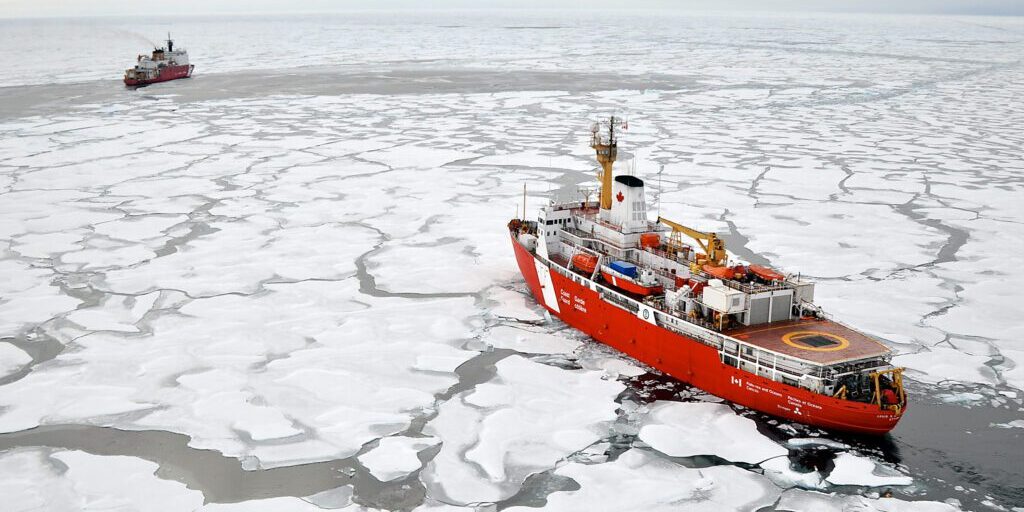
(164, 64)
(746, 333)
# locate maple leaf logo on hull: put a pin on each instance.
(620, 197)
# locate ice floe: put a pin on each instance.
(36, 479)
(853, 469)
(251, 377)
(688, 429)
(937, 364)
(639, 480)
(30, 296)
(12, 359)
(530, 416)
(797, 500)
(530, 340)
(395, 457)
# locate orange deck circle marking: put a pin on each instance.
(793, 339)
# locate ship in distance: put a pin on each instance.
(669, 296)
(165, 63)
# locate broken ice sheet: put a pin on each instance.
(34, 480)
(938, 364)
(640, 480)
(529, 417)
(529, 339)
(259, 251)
(44, 479)
(302, 372)
(396, 456)
(514, 305)
(687, 429)
(30, 296)
(12, 359)
(116, 313)
(798, 500)
(857, 470)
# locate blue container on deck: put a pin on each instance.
(624, 268)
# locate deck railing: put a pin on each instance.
(765, 362)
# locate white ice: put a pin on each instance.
(797, 500)
(939, 364)
(12, 359)
(42, 479)
(639, 480)
(687, 429)
(853, 469)
(530, 340)
(529, 417)
(34, 481)
(779, 471)
(514, 305)
(395, 457)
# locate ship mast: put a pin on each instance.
(607, 151)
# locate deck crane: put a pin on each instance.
(713, 246)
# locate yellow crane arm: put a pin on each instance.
(713, 246)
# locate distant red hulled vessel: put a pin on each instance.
(746, 333)
(165, 64)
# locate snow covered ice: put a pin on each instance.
(689, 429)
(310, 269)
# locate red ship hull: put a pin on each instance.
(167, 73)
(693, 362)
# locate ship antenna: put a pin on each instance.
(661, 190)
(170, 43)
(524, 201)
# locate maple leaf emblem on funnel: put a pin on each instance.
(620, 197)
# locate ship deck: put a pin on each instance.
(820, 341)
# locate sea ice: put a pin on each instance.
(416, 156)
(12, 359)
(530, 340)
(639, 480)
(34, 481)
(29, 296)
(118, 313)
(395, 457)
(529, 417)
(856, 470)
(798, 500)
(535, 159)
(250, 376)
(514, 305)
(687, 429)
(941, 364)
(779, 471)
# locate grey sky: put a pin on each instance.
(32, 8)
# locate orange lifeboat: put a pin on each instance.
(650, 240)
(719, 272)
(766, 273)
(585, 262)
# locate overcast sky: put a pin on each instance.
(32, 8)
